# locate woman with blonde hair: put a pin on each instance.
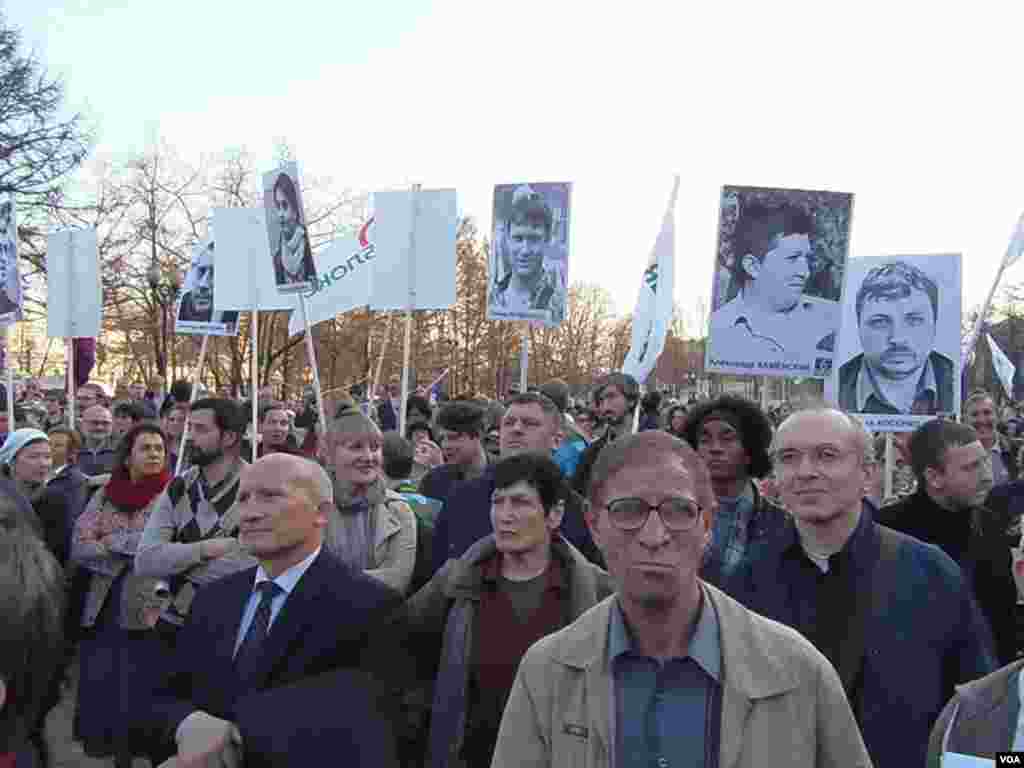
(374, 530)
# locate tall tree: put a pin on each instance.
(39, 145)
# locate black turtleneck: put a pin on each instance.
(918, 515)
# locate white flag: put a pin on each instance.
(1004, 368)
(1016, 246)
(653, 312)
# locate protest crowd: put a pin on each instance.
(492, 588)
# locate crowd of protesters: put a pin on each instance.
(493, 586)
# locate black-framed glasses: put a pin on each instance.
(631, 514)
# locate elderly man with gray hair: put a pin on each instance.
(854, 589)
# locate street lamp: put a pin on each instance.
(165, 292)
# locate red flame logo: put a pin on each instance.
(364, 239)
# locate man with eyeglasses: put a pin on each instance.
(894, 615)
(670, 671)
(98, 451)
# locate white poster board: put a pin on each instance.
(243, 257)
(287, 238)
(433, 269)
(10, 273)
(74, 306)
(347, 269)
(898, 355)
(529, 261)
(778, 281)
(193, 312)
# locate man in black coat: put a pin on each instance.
(299, 615)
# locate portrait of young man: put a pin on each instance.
(898, 369)
(776, 286)
(529, 279)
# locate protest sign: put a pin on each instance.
(529, 259)
(898, 353)
(778, 281)
(194, 309)
(287, 237)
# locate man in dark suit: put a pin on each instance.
(300, 615)
(898, 372)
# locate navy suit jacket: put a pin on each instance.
(325, 624)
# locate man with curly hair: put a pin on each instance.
(733, 435)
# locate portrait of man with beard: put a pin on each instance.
(197, 299)
(898, 370)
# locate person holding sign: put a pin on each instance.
(771, 317)
(293, 259)
(898, 370)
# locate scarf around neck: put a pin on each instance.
(352, 531)
(130, 497)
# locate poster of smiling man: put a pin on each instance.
(294, 271)
(195, 305)
(899, 349)
(529, 265)
(778, 281)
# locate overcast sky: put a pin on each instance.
(914, 107)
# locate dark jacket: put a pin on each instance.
(329, 622)
(942, 403)
(918, 516)
(441, 619)
(387, 416)
(466, 519)
(766, 521)
(991, 563)
(99, 461)
(930, 637)
(338, 714)
(439, 482)
(983, 715)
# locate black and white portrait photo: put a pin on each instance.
(10, 276)
(529, 265)
(294, 271)
(195, 307)
(899, 346)
(778, 281)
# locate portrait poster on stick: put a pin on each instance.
(294, 271)
(194, 312)
(529, 262)
(778, 281)
(898, 355)
(10, 274)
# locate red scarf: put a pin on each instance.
(8, 760)
(131, 497)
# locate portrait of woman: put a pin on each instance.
(293, 258)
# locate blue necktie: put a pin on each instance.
(250, 652)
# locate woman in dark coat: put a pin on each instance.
(118, 648)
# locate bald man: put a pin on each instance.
(296, 617)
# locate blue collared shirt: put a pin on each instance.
(287, 581)
(666, 714)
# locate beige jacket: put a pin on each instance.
(394, 542)
(782, 702)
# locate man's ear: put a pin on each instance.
(751, 265)
(3, 694)
(590, 517)
(932, 478)
(324, 512)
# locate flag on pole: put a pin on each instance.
(1005, 370)
(1013, 254)
(653, 312)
